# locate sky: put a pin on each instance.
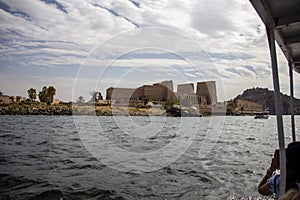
(85, 45)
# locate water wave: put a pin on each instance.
(42, 157)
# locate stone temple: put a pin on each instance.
(160, 93)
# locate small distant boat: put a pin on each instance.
(261, 115)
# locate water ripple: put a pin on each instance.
(42, 157)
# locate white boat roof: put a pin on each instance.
(284, 17)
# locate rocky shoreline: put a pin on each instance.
(36, 108)
(25, 109)
(69, 109)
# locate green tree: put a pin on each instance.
(80, 100)
(51, 91)
(32, 94)
(147, 99)
(95, 96)
(169, 104)
(42, 94)
(230, 108)
(47, 94)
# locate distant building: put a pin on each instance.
(248, 107)
(5, 99)
(204, 97)
(119, 94)
(168, 84)
(20, 98)
(157, 92)
(186, 95)
(185, 88)
(205, 94)
(11, 99)
(209, 90)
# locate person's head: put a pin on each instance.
(291, 195)
(293, 164)
(293, 156)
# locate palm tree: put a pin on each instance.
(32, 94)
(47, 94)
(42, 94)
(51, 92)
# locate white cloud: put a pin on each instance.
(230, 32)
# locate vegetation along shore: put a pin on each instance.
(244, 104)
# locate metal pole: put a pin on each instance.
(271, 40)
(292, 101)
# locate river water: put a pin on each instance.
(89, 157)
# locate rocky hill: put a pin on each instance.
(265, 97)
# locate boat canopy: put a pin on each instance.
(282, 21)
(284, 17)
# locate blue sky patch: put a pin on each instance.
(136, 55)
(15, 12)
(116, 14)
(233, 70)
(231, 56)
(137, 4)
(250, 68)
(58, 5)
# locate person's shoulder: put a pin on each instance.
(273, 182)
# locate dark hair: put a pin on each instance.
(292, 165)
(291, 195)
